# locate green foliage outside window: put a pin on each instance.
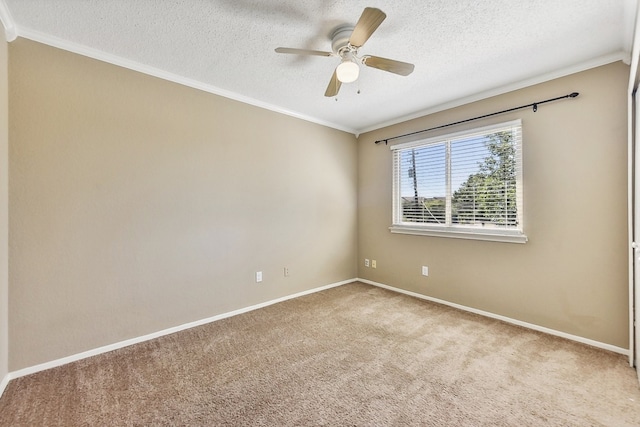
(489, 196)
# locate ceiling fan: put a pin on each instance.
(345, 42)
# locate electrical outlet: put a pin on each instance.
(425, 270)
(286, 272)
(373, 263)
(258, 276)
(366, 262)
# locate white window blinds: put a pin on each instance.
(460, 184)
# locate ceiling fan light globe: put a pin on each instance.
(348, 72)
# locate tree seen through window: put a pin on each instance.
(467, 182)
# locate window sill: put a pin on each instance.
(497, 236)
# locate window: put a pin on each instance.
(464, 185)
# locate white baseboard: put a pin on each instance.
(137, 340)
(4, 383)
(100, 350)
(538, 328)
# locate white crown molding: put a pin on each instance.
(107, 348)
(505, 319)
(156, 72)
(563, 72)
(7, 22)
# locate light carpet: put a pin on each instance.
(353, 355)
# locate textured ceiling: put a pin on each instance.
(462, 49)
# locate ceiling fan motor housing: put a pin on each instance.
(340, 37)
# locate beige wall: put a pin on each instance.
(137, 204)
(4, 206)
(572, 274)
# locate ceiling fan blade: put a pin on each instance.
(369, 21)
(334, 86)
(302, 51)
(390, 65)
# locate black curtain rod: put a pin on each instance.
(534, 105)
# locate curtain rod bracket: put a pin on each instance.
(534, 105)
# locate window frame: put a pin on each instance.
(512, 235)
